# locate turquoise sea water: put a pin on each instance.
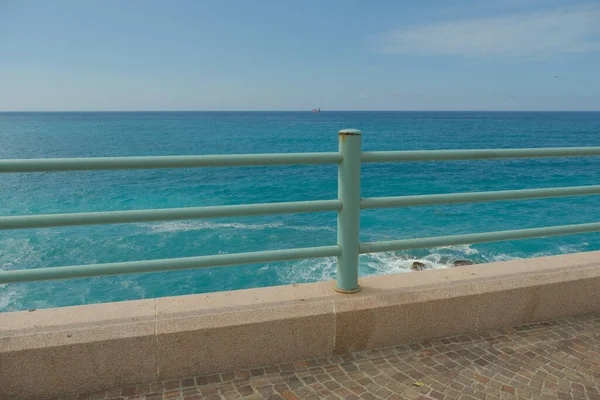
(32, 135)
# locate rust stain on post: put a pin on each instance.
(348, 132)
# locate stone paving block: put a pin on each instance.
(546, 360)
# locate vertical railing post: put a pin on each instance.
(349, 215)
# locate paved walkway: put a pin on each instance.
(549, 360)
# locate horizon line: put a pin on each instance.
(282, 111)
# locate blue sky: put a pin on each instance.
(295, 55)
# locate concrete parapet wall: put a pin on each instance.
(53, 352)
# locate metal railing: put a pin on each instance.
(348, 206)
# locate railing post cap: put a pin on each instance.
(350, 132)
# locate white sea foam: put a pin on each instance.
(311, 228)
(309, 271)
(462, 248)
(400, 262)
(132, 286)
(375, 264)
(437, 258)
(572, 248)
(182, 226)
(16, 251)
(392, 262)
(8, 296)
(501, 257)
(179, 226)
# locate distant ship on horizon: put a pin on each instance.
(316, 109)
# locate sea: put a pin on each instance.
(96, 134)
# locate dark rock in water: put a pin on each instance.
(459, 263)
(417, 266)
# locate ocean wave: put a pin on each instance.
(133, 286)
(572, 248)
(179, 226)
(384, 263)
(502, 257)
(387, 263)
(17, 251)
(311, 228)
(462, 248)
(8, 297)
(436, 258)
(392, 263)
(309, 271)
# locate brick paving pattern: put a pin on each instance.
(549, 360)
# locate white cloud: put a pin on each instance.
(537, 34)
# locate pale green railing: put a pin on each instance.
(348, 206)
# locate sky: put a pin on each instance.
(99, 55)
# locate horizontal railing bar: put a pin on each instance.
(110, 163)
(476, 197)
(167, 214)
(476, 154)
(232, 160)
(172, 264)
(472, 238)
